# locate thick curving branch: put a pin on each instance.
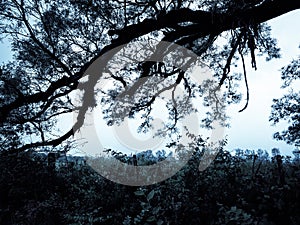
(209, 22)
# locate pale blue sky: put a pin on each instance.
(251, 128)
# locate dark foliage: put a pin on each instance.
(248, 188)
(287, 108)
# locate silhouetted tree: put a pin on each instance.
(287, 108)
(134, 160)
(54, 42)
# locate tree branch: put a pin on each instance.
(205, 23)
(208, 22)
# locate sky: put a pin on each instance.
(251, 129)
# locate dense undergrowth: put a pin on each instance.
(248, 188)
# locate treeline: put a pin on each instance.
(245, 188)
